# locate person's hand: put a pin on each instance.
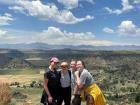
(77, 73)
(50, 99)
(72, 99)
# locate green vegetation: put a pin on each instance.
(26, 94)
(137, 99)
(116, 72)
(15, 71)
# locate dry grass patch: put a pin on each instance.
(5, 94)
(23, 79)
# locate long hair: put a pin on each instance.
(83, 63)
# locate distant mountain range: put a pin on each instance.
(88, 47)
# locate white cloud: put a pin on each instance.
(5, 19)
(125, 7)
(48, 11)
(136, 2)
(108, 30)
(69, 4)
(53, 35)
(127, 28)
(4, 36)
(17, 9)
(2, 33)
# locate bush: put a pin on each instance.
(15, 84)
(19, 95)
(5, 94)
(36, 84)
(137, 99)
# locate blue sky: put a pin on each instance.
(70, 22)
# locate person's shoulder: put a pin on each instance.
(69, 70)
(47, 70)
(85, 72)
(58, 71)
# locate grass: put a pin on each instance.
(22, 79)
(23, 76)
(19, 71)
(33, 95)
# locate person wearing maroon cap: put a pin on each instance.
(51, 84)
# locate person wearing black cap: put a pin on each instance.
(51, 84)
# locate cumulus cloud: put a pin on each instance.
(108, 30)
(17, 9)
(127, 28)
(125, 7)
(47, 12)
(5, 19)
(70, 4)
(53, 35)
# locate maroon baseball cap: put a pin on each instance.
(54, 59)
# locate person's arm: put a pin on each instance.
(75, 90)
(78, 81)
(47, 90)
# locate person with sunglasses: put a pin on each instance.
(65, 81)
(51, 84)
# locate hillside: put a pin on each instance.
(40, 46)
(116, 72)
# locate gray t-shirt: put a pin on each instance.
(86, 78)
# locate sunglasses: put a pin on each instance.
(56, 63)
(64, 66)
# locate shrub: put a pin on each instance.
(19, 95)
(137, 99)
(36, 84)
